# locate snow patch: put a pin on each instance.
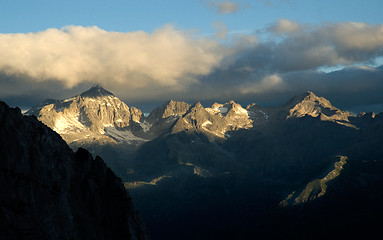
(206, 123)
(223, 109)
(69, 99)
(145, 126)
(264, 114)
(68, 123)
(240, 110)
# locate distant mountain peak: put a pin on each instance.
(310, 95)
(96, 91)
(169, 102)
(197, 105)
(307, 96)
(168, 109)
(314, 106)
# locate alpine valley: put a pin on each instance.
(302, 170)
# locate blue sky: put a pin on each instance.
(20, 16)
(260, 51)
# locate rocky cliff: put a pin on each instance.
(50, 192)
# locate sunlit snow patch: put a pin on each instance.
(68, 123)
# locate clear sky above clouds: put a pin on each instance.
(21, 16)
(261, 51)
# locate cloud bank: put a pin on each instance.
(75, 54)
(285, 59)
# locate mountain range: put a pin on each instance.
(229, 172)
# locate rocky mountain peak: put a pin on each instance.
(199, 120)
(197, 105)
(215, 121)
(172, 108)
(309, 104)
(96, 91)
(308, 97)
(235, 107)
(94, 115)
(169, 109)
(229, 108)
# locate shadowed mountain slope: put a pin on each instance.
(49, 192)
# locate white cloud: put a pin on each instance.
(284, 26)
(75, 54)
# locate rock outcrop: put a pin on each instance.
(50, 192)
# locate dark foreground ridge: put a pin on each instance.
(49, 192)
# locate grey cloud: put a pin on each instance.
(302, 47)
(354, 89)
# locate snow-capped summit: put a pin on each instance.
(94, 115)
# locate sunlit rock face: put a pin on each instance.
(94, 115)
(315, 188)
(198, 119)
(215, 121)
(168, 109)
(309, 104)
(235, 115)
(50, 192)
(97, 116)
